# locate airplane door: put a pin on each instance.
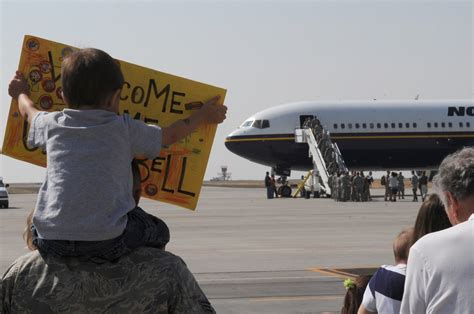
(303, 119)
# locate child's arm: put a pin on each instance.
(18, 89)
(210, 113)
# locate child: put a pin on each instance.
(85, 206)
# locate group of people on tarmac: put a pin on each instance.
(354, 186)
(395, 186)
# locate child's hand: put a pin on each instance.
(18, 86)
(212, 113)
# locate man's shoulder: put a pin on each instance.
(449, 238)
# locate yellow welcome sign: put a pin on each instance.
(155, 97)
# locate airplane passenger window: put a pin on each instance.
(461, 124)
(364, 125)
(379, 125)
(349, 125)
(393, 126)
(428, 124)
(468, 124)
(450, 124)
(443, 125)
(385, 125)
(436, 124)
(414, 125)
(371, 125)
(342, 126)
(357, 125)
(335, 125)
(265, 124)
(257, 124)
(407, 125)
(400, 125)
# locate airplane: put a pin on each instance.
(371, 135)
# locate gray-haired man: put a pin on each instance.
(440, 270)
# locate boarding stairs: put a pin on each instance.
(327, 158)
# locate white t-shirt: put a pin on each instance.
(87, 192)
(385, 290)
(440, 272)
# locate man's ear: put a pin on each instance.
(112, 99)
(453, 208)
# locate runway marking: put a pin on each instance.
(337, 272)
(300, 298)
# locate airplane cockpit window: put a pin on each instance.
(246, 124)
(265, 124)
(257, 124)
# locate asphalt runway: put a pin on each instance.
(253, 255)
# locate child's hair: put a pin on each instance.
(355, 294)
(27, 233)
(402, 244)
(89, 76)
(431, 217)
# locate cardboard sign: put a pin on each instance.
(155, 97)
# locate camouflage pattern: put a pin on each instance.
(148, 280)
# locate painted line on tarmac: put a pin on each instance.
(332, 272)
(300, 298)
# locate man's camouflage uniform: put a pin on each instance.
(148, 280)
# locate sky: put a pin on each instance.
(265, 53)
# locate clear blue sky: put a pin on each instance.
(264, 53)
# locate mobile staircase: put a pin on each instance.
(327, 158)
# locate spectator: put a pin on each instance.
(355, 291)
(274, 187)
(385, 290)
(146, 280)
(440, 270)
(431, 217)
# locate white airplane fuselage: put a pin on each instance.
(371, 135)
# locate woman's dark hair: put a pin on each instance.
(431, 217)
(89, 76)
(355, 294)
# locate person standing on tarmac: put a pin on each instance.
(423, 186)
(393, 185)
(384, 181)
(274, 187)
(268, 186)
(414, 185)
(401, 186)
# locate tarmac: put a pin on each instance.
(253, 255)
